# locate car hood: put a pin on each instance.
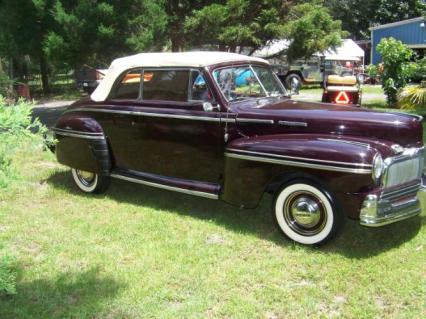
(292, 116)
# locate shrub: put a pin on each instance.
(16, 132)
(373, 72)
(396, 67)
(7, 275)
(419, 70)
(6, 85)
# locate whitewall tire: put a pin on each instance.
(305, 213)
(90, 182)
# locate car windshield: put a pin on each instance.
(244, 82)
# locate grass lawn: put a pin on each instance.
(372, 98)
(138, 252)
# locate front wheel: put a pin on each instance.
(306, 213)
(293, 82)
(90, 182)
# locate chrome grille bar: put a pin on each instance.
(401, 193)
(404, 168)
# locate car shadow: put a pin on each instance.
(69, 295)
(354, 241)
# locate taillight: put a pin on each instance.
(342, 98)
(99, 75)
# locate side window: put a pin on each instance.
(198, 89)
(128, 88)
(166, 85)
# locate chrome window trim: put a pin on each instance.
(260, 82)
(250, 66)
(166, 187)
(299, 164)
(362, 165)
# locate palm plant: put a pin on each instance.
(413, 97)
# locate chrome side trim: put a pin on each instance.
(300, 158)
(76, 132)
(166, 187)
(228, 120)
(345, 141)
(293, 124)
(150, 114)
(255, 121)
(299, 164)
(83, 135)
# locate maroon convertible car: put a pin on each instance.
(220, 125)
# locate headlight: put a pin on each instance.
(378, 167)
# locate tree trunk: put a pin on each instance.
(11, 73)
(176, 46)
(44, 74)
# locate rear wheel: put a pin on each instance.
(306, 213)
(90, 182)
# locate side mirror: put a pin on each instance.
(208, 107)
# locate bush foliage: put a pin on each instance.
(17, 130)
(397, 70)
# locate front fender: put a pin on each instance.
(82, 144)
(259, 163)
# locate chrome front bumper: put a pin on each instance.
(390, 207)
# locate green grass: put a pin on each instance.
(138, 252)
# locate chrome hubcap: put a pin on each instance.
(87, 178)
(305, 213)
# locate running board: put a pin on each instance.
(202, 189)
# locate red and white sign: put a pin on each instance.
(342, 98)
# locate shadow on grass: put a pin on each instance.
(354, 240)
(69, 295)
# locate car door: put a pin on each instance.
(168, 131)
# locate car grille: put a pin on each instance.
(395, 195)
(404, 169)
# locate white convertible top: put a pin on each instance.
(181, 59)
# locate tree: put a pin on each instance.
(248, 23)
(358, 16)
(24, 26)
(235, 23)
(310, 30)
(396, 67)
(95, 32)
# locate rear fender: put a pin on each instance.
(82, 144)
